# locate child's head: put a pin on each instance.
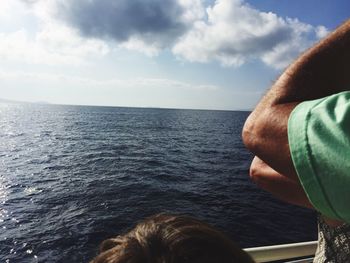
(171, 239)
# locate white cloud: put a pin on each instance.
(229, 31)
(64, 40)
(52, 44)
(146, 26)
(193, 10)
(151, 44)
(70, 32)
(7, 7)
(321, 31)
(236, 33)
(138, 44)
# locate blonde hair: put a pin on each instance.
(171, 239)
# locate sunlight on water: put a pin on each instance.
(3, 191)
(31, 190)
(73, 176)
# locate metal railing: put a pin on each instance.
(284, 252)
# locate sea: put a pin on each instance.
(72, 176)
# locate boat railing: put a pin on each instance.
(286, 252)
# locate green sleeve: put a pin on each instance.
(319, 142)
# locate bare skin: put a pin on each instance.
(319, 72)
(283, 188)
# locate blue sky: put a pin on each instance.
(198, 54)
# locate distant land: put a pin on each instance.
(2, 100)
(8, 101)
(41, 102)
(17, 101)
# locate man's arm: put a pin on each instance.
(277, 184)
(282, 187)
(321, 71)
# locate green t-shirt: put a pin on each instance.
(319, 141)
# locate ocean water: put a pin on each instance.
(72, 176)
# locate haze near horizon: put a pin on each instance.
(194, 54)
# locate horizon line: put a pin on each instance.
(6, 100)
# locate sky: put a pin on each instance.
(193, 54)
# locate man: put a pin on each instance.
(300, 131)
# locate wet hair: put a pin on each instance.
(171, 239)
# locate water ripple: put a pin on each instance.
(73, 176)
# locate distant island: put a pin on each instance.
(6, 101)
(17, 101)
(40, 102)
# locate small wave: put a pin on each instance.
(32, 190)
(74, 176)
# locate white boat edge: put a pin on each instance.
(286, 252)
